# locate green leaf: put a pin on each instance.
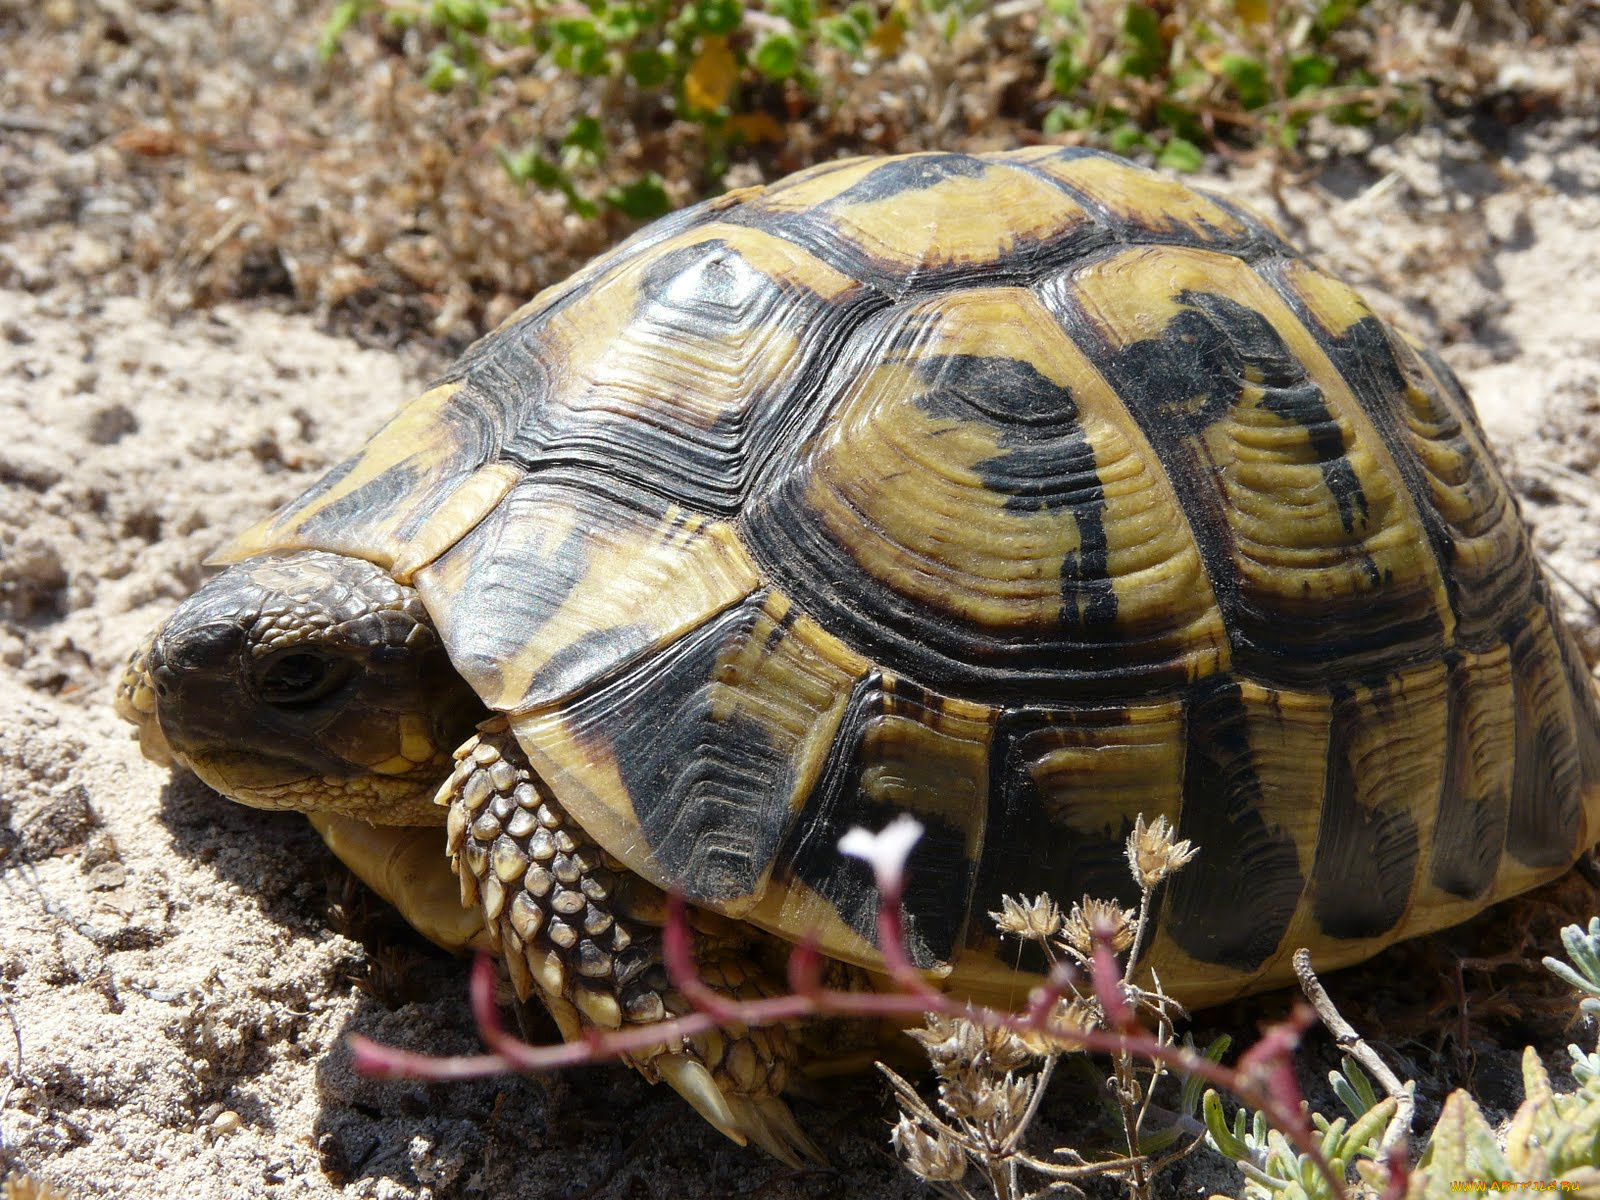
(1310, 71)
(799, 13)
(442, 72)
(1583, 948)
(1189, 1097)
(1126, 138)
(1180, 154)
(1248, 78)
(644, 199)
(622, 22)
(647, 67)
(587, 136)
(529, 166)
(777, 57)
(343, 16)
(843, 33)
(468, 15)
(1224, 1139)
(1067, 69)
(718, 16)
(1362, 1138)
(1141, 33)
(1353, 1087)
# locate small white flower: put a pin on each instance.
(886, 850)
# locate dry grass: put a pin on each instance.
(201, 152)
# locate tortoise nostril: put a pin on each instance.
(199, 647)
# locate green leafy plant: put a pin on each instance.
(1168, 79)
(722, 65)
(1274, 1167)
(1173, 78)
(1553, 1136)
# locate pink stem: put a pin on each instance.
(1264, 1078)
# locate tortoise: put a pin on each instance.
(1029, 493)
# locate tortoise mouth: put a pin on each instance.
(279, 784)
(259, 780)
(135, 703)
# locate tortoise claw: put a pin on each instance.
(690, 1079)
(764, 1120)
(767, 1121)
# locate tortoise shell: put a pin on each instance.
(1027, 493)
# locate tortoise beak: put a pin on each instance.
(136, 703)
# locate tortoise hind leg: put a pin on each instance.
(583, 933)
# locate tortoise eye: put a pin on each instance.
(301, 678)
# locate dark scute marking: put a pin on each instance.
(1233, 903)
(899, 175)
(1469, 833)
(1191, 376)
(584, 661)
(1027, 850)
(507, 597)
(1546, 797)
(1366, 859)
(1047, 464)
(334, 476)
(1249, 343)
(711, 792)
(1262, 238)
(1364, 356)
(375, 501)
(933, 911)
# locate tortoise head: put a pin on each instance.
(307, 681)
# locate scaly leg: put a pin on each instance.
(583, 933)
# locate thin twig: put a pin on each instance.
(1353, 1044)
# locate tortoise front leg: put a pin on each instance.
(583, 933)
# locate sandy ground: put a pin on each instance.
(178, 975)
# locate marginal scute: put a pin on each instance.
(1547, 787)
(372, 505)
(1469, 834)
(901, 749)
(1068, 784)
(1232, 905)
(1385, 764)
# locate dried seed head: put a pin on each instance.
(1091, 917)
(999, 1103)
(1032, 920)
(932, 1156)
(1152, 852)
(1076, 1015)
(955, 1044)
(951, 1042)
